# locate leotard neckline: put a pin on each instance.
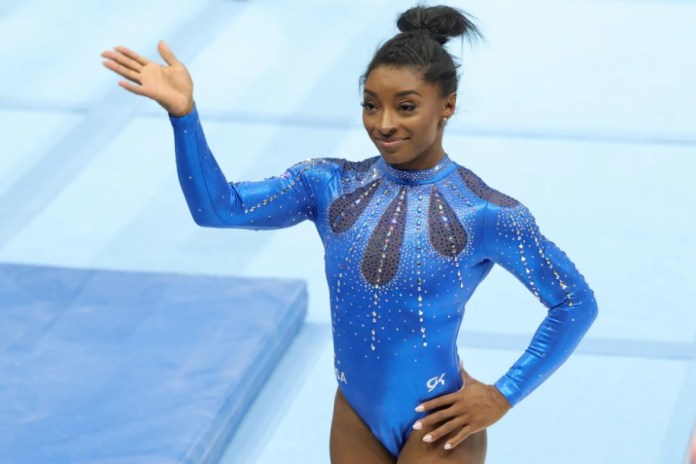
(418, 177)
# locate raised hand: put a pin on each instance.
(170, 86)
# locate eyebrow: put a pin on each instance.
(403, 93)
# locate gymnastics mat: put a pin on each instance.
(115, 367)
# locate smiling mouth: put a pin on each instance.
(390, 143)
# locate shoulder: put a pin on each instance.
(353, 169)
(483, 191)
(507, 222)
(321, 172)
(334, 165)
(314, 170)
(504, 217)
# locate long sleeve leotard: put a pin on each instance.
(404, 251)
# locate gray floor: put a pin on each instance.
(583, 110)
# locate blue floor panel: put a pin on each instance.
(108, 366)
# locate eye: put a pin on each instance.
(407, 107)
(369, 106)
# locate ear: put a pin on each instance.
(450, 105)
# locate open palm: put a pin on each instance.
(170, 86)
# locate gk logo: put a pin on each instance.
(435, 381)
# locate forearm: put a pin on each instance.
(556, 338)
(204, 185)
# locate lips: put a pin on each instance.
(390, 142)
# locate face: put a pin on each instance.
(403, 116)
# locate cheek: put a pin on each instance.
(426, 128)
(367, 122)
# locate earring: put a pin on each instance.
(444, 120)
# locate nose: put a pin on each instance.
(387, 123)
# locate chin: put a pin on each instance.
(396, 159)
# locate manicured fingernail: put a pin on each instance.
(420, 408)
(448, 446)
(417, 425)
(427, 438)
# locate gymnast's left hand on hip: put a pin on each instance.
(471, 409)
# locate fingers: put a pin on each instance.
(123, 71)
(166, 53)
(460, 437)
(136, 89)
(443, 430)
(132, 55)
(437, 402)
(123, 60)
(434, 418)
(127, 66)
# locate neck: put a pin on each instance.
(418, 176)
(421, 162)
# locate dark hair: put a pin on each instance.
(419, 45)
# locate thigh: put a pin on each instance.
(351, 440)
(470, 451)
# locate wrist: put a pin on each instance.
(185, 110)
(185, 121)
(499, 397)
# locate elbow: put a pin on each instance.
(206, 220)
(594, 312)
(591, 303)
(590, 313)
(579, 309)
(202, 222)
(586, 309)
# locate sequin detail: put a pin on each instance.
(483, 191)
(447, 236)
(416, 176)
(354, 166)
(419, 272)
(295, 180)
(383, 251)
(530, 247)
(346, 209)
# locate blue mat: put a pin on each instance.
(124, 367)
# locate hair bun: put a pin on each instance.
(440, 22)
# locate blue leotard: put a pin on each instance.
(404, 251)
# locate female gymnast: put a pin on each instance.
(408, 236)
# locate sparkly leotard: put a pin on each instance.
(404, 251)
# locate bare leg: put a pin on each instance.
(351, 440)
(470, 451)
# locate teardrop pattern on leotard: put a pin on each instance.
(383, 252)
(346, 209)
(447, 235)
(483, 191)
